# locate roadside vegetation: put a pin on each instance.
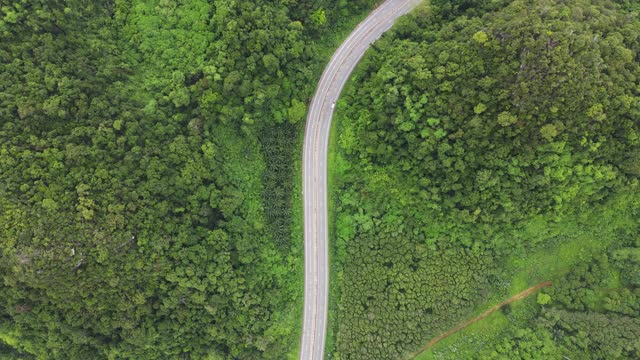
(484, 147)
(147, 151)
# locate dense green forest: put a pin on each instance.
(483, 147)
(146, 152)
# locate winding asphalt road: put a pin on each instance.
(316, 141)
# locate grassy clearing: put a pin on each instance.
(465, 324)
(564, 244)
(453, 345)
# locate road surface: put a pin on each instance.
(316, 141)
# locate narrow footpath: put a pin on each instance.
(490, 311)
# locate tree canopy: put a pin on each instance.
(146, 175)
(467, 133)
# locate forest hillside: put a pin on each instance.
(483, 147)
(147, 153)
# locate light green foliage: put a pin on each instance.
(506, 119)
(543, 299)
(479, 109)
(549, 132)
(481, 37)
(568, 244)
(318, 17)
(596, 112)
(297, 111)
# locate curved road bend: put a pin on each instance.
(316, 141)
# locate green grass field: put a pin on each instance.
(565, 244)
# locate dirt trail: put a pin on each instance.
(463, 325)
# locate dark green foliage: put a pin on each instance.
(127, 229)
(279, 150)
(408, 291)
(449, 9)
(595, 336)
(466, 131)
(137, 170)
